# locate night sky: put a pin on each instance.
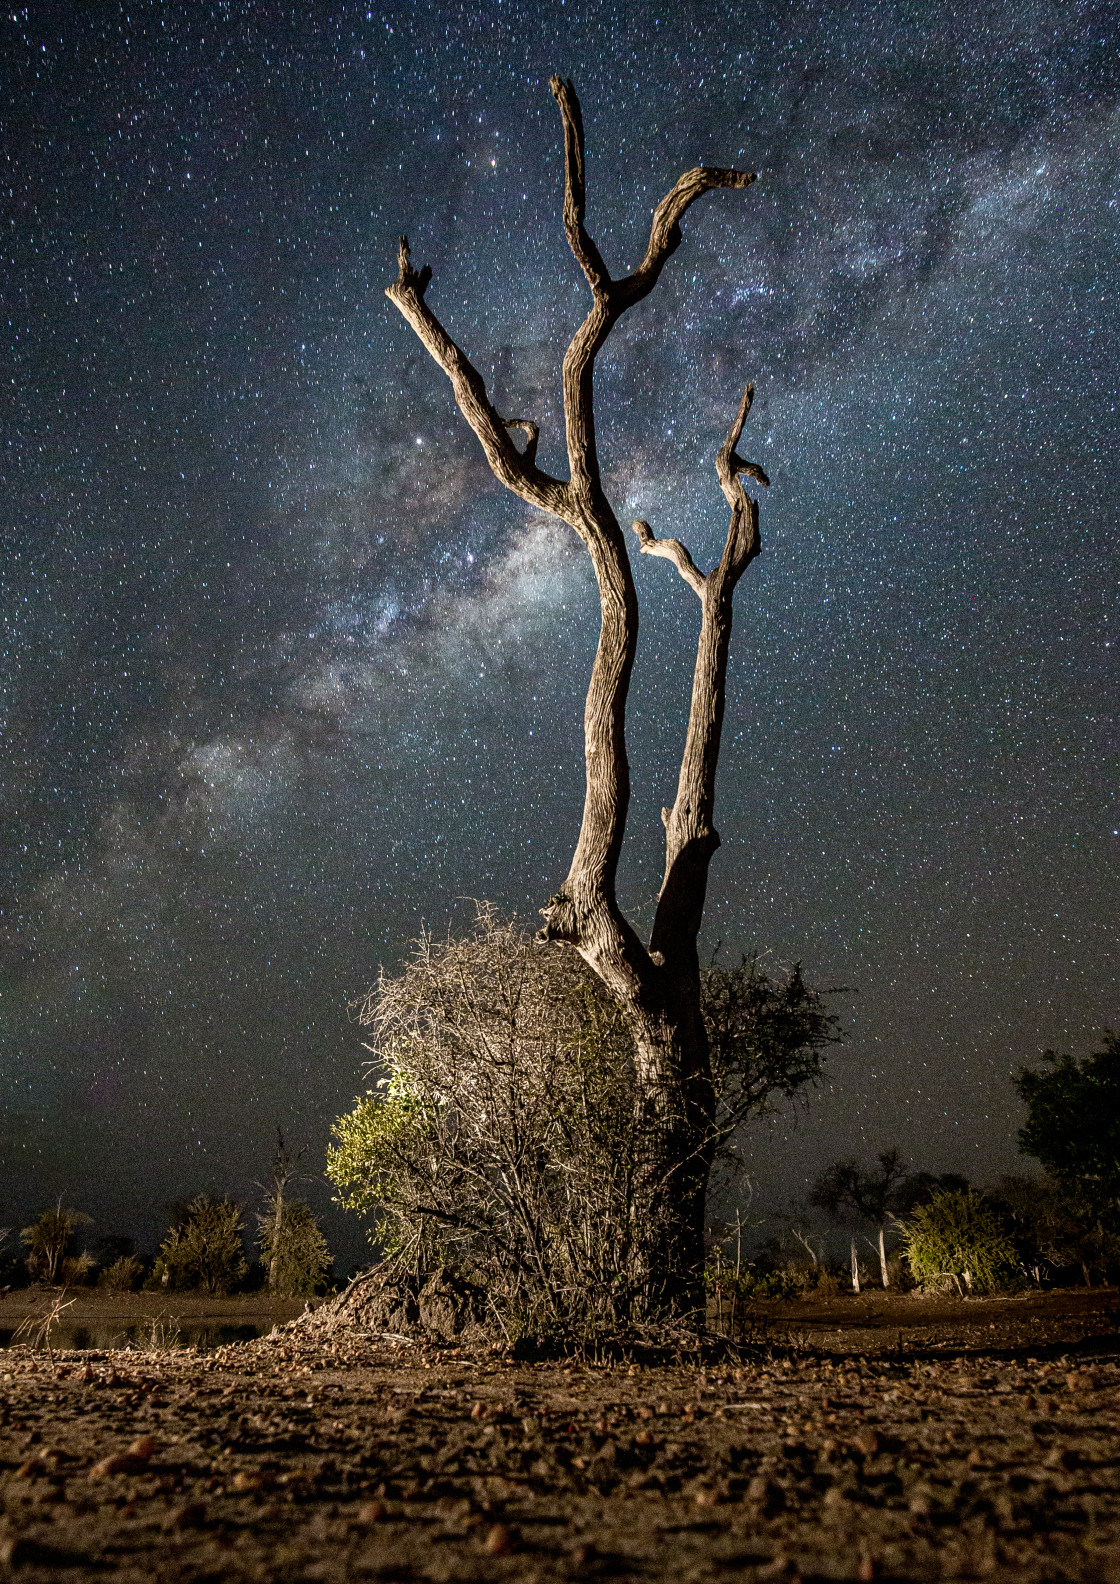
(285, 675)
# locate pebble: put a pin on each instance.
(191, 1515)
(497, 1541)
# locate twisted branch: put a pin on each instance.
(673, 551)
(516, 470)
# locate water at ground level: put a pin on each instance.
(144, 1334)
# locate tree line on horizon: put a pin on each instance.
(499, 1141)
(203, 1249)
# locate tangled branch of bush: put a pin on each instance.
(503, 1137)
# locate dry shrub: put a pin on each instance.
(501, 1139)
(504, 1138)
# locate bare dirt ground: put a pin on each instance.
(860, 1439)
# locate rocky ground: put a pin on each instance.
(302, 1457)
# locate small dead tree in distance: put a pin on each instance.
(657, 986)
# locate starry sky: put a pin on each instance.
(286, 676)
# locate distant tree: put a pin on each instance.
(1073, 1123)
(203, 1251)
(293, 1248)
(959, 1237)
(51, 1241)
(294, 1252)
(845, 1192)
(1055, 1229)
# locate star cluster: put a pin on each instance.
(285, 675)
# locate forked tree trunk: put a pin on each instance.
(658, 985)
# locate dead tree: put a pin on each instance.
(659, 984)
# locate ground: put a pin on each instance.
(865, 1438)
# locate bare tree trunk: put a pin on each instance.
(855, 1268)
(883, 1257)
(658, 986)
(277, 1234)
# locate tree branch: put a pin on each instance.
(532, 434)
(690, 835)
(517, 471)
(673, 551)
(575, 186)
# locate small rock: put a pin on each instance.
(497, 1541)
(192, 1515)
(15, 1550)
(1062, 1457)
(921, 1501)
(866, 1441)
(115, 1463)
(478, 1411)
(1081, 1380)
(780, 1567)
(371, 1512)
(143, 1449)
(870, 1568)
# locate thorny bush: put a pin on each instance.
(503, 1137)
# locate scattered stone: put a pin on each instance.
(191, 1515)
(497, 1541)
(866, 1440)
(371, 1512)
(15, 1550)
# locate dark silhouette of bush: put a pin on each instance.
(204, 1252)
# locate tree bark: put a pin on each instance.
(658, 985)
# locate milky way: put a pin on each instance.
(285, 674)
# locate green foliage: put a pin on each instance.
(50, 1243)
(293, 1250)
(1073, 1122)
(124, 1274)
(958, 1236)
(204, 1251)
(767, 1034)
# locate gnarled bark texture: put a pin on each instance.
(658, 984)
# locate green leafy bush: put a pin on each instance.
(124, 1274)
(293, 1250)
(204, 1251)
(957, 1237)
